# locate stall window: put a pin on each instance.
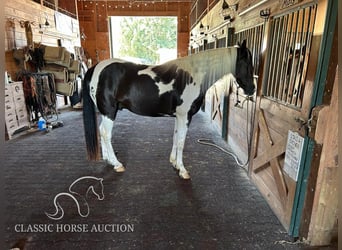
(47, 3)
(50, 4)
(253, 37)
(290, 41)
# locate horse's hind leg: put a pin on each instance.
(173, 155)
(108, 153)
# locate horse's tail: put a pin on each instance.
(90, 119)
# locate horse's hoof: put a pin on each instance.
(119, 169)
(184, 175)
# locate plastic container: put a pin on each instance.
(41, 124)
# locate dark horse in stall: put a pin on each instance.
(176, 88)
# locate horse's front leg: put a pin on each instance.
(182, 128)
(108, 153)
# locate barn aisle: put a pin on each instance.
(148, 206)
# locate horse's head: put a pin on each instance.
(244, 69)
(97, 189)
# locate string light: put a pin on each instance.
(129, 4)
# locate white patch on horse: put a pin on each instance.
(190, 93)
(165, 87)
(148, 71)
(162, 86)
(97, 71)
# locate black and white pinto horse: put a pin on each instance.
(176, 88)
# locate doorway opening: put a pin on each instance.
(144, 39)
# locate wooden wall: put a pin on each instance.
(18, 11)
(324, 222)
(211, 19)
(93, 17)
(319, 218)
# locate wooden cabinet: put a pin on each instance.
(15, 108)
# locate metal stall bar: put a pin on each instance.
(272, 59)
(293, 50)
(279, 51)
(254, 38)
(290, 42)
(283, 53)
(297, 55)
(286, 75)
(307, 42)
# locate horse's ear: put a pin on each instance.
(243, 45)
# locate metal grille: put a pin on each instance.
(253, 38)
(221, 43)
(290, 41)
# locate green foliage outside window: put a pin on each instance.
(142, 37)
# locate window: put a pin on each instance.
(144, 39)
(253, 38)
(290, 41)
(50, 4)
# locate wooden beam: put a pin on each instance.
(264, 127)
(270, 153)
(279, 180)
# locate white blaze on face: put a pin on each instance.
(162, 86)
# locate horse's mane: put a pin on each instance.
(208, 66)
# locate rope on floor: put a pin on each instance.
(284, 242)
(209, 142)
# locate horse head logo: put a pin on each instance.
(78, 192)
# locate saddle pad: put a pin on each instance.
(75, 66)
(52, 54)
(65, 88)
(61, 74)
(57, 55)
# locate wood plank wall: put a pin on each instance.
(17, 11)
(324, 223)
(93, 17)
(323, 213)
(212, 19)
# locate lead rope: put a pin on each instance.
(209, 142)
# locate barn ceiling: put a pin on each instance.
(134, 2)
(141, 1)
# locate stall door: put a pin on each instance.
(284, 105)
